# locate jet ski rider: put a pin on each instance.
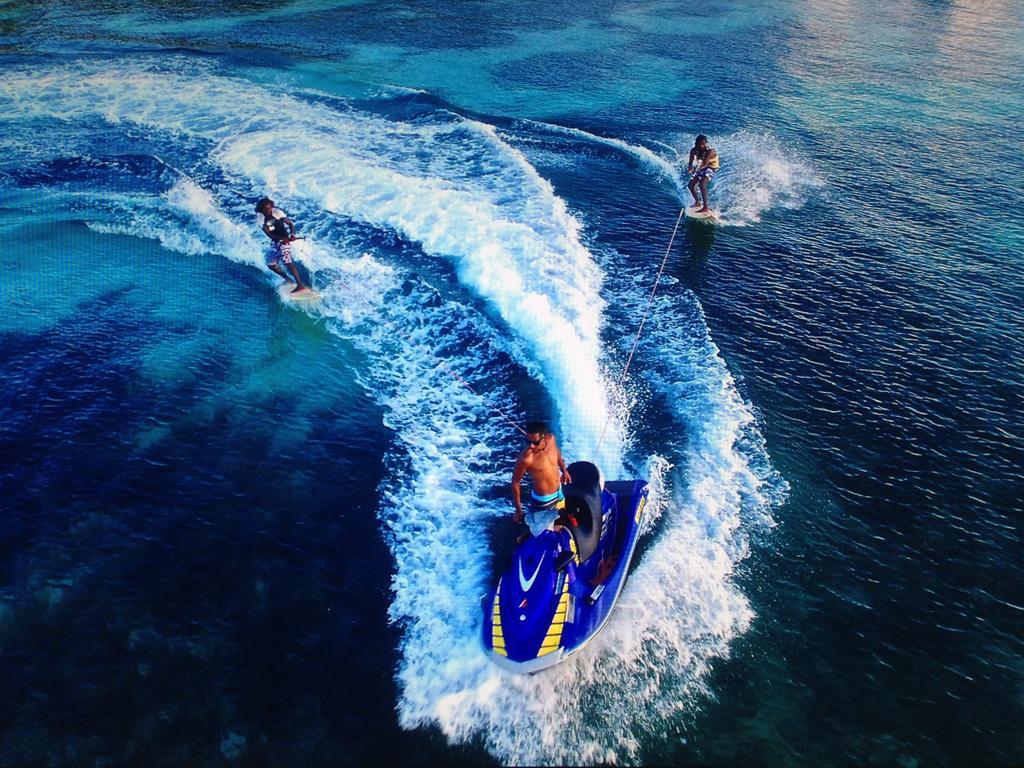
(542, 461)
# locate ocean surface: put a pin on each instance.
(239, 531)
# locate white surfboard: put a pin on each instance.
(693, 212)
(285, 292)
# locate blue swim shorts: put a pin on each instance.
(544, 510)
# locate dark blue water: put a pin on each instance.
(241, 531)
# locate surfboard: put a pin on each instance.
(285, 292)
(693, 212)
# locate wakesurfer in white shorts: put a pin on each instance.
(281, 231)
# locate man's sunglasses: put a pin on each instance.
(535, 443)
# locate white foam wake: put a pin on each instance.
(460, 193)
(760, 173)
(670, 169)
(523, 255)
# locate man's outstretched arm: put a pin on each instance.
(517, 498)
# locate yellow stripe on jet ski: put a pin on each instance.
(554, 636)
(640, 508)
(497, 636)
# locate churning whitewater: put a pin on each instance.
(243, 529)
(391, 209)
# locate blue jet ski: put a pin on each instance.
(561, 587)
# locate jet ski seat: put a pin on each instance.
(583, 507)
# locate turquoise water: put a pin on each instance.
(238, 530)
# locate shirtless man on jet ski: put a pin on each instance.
(542, 461)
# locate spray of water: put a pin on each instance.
(462, 195)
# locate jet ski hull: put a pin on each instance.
(561, 588)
